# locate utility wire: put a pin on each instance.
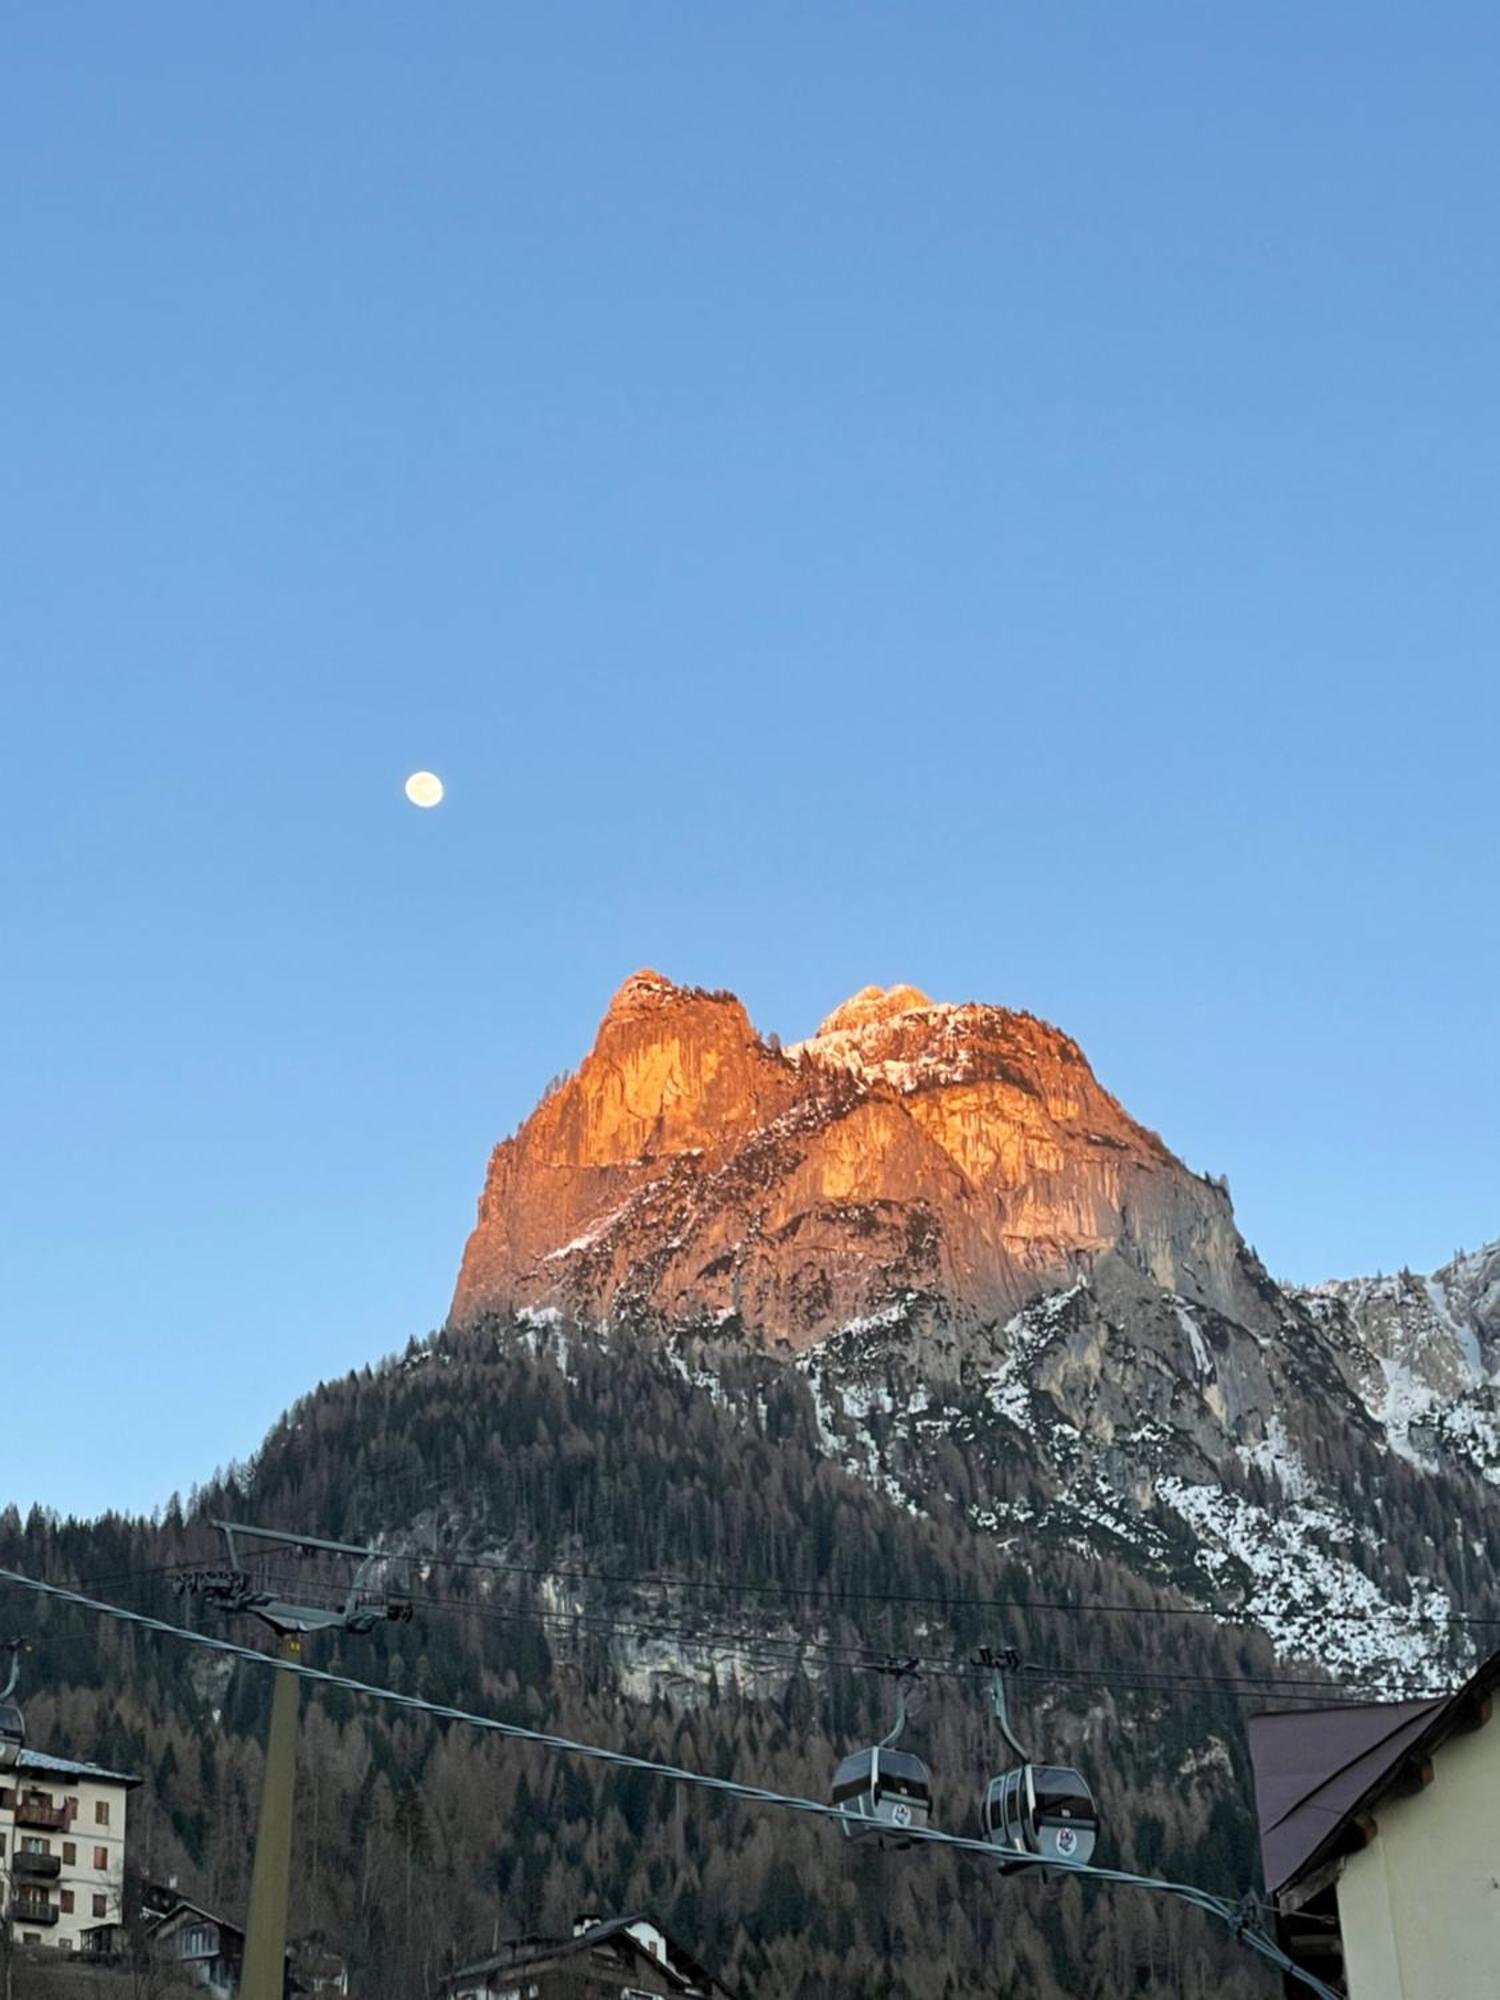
(785, 1651)
(539, 1571)
(831, 1594)
(780, 1652)
(834, 1596)
(1229, 1913)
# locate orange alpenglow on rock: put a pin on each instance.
(952, 1161)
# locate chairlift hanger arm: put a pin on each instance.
(1002, 1716)
(897, 1729)
(906, 1670)
(1002, 1665)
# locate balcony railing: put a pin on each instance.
(40, 1812)
(46, 1865)
(23, 1911)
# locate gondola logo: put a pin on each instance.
(901, 1815)
(1067, 1840)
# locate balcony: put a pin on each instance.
(24, 1911)
(45, 1866)
(40, 1812)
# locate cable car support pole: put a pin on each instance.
(270, 1881)
(264, 1975)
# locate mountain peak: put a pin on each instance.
(872, 1005)
(643, 989)
(692, 1174)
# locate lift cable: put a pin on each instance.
(783, 1650)
(1231, 1914)
(832, 1594)
(311, 1544)
(780, 1651)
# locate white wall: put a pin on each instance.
(1420, 1906)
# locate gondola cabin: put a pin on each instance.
(1045, 1810)
(881, 1793)
(12, 1735)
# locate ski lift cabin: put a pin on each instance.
(1045, 1810)
(881, 1793)
(12, 1735)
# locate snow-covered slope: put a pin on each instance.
(1423, 1353)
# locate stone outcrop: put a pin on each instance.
(692, 1172)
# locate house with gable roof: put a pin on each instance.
(1380, 1842)
(627, 1958)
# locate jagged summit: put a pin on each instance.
(692, 1172)
(643, 989)
(873, 1004)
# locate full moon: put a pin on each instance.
(424, 788)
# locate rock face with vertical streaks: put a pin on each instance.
(693, 1172)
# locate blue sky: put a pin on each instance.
(1003, 497)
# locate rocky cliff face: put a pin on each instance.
(1423, 1355)
(1005, 1296)
(692, 1173)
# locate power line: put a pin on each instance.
(780, 1652)
(1234, 1915)
(797, 1648)
(830, 1594)
(783, 1652)
(834, 1596)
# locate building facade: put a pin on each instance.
(631, 1958)
(204, 1946)
(62, 1849)
(1380, 1838)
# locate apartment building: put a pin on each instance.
(62, 1849)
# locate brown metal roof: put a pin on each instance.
(1312, 1768)
(1316, 1771)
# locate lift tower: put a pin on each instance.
(234, 1592)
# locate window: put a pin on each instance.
(101, 1906)
(66, 1902)
(70, 1807)
(2, 1846)
(70, 1854)
(32, 1845)
(101, 1812)
(101, 1857)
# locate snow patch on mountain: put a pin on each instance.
(1313, 1603)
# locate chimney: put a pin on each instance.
(651, 1938)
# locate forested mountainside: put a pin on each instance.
(554, 1452)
